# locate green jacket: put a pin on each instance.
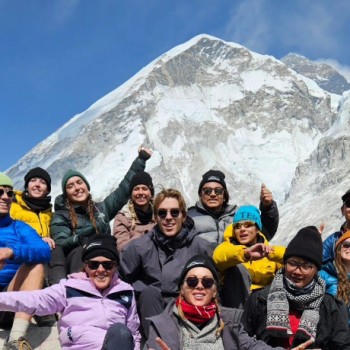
(61, 225)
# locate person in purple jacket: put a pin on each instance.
(22, 254)
(98, 309)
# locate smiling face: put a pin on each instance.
(170, 225)
(345, 251)
(141, 196)
(213, 202)
(77, 190)
(5, 200)
(300, 271)
(198, 296)
(37, 188)
(101, 277)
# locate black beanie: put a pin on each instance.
(100, 245)
(142, 178)
(346, 196)
(200, 261)
(212, 176)
(38, 172)
(306, 244)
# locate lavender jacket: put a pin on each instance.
(86, 314)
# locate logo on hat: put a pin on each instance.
(213, 178)
(93, 244)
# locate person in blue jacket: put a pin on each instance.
(329, 243)
(338, 283)
(22, 252)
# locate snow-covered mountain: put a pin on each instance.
(213, 104)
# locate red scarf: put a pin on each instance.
(197, 314)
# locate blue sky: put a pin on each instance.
(57, 57)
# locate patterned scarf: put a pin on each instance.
(197, 314)
(283, 294)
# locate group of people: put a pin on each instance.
(164, 276)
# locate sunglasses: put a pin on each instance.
(217, 190)
(162, 213)
(245, 224)
(94, 264)
(9, 193)
(304, 267)
(346, 245)
(347, 203)
(207, 282)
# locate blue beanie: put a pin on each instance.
(248, 213)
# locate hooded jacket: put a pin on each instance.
(86, 313)
(105, 211)
(27, 246)
(39, 221)
(231, 253)
(148, 261)
(166, 326)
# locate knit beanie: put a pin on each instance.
(70, 173)
(142, 178)
(306, 244)
(212, 176)
(342, 238)
(199, 261)
(100, 245)
(346, 196)
(5, 180)
(38, 172)
(248, 213)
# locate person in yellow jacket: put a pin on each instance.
(245, 245)
(33, 205)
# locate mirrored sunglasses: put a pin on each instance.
(9, 193)
(346, 245)
(94, 264)
(217, 190)
(207, 282)
(245, 224)
(162, 213)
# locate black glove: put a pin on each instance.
(144, 155)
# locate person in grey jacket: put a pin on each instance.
(77, 216)
(195, 319)
(212, 213)
(152, 263)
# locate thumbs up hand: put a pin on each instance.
(265, 196)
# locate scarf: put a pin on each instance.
(170, 244)
(37, 204)
(144, 217)
(283, 294)
(197, 314)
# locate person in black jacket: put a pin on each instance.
(152, 263)
(77, 216)
(295, 307)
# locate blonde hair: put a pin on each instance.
(221, 323)
(169, 193)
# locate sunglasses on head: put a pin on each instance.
(207, 282)
(9, 193)
(94, 264)
(217, 190)
(162, 213)
(245, 224)
(346, 245)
